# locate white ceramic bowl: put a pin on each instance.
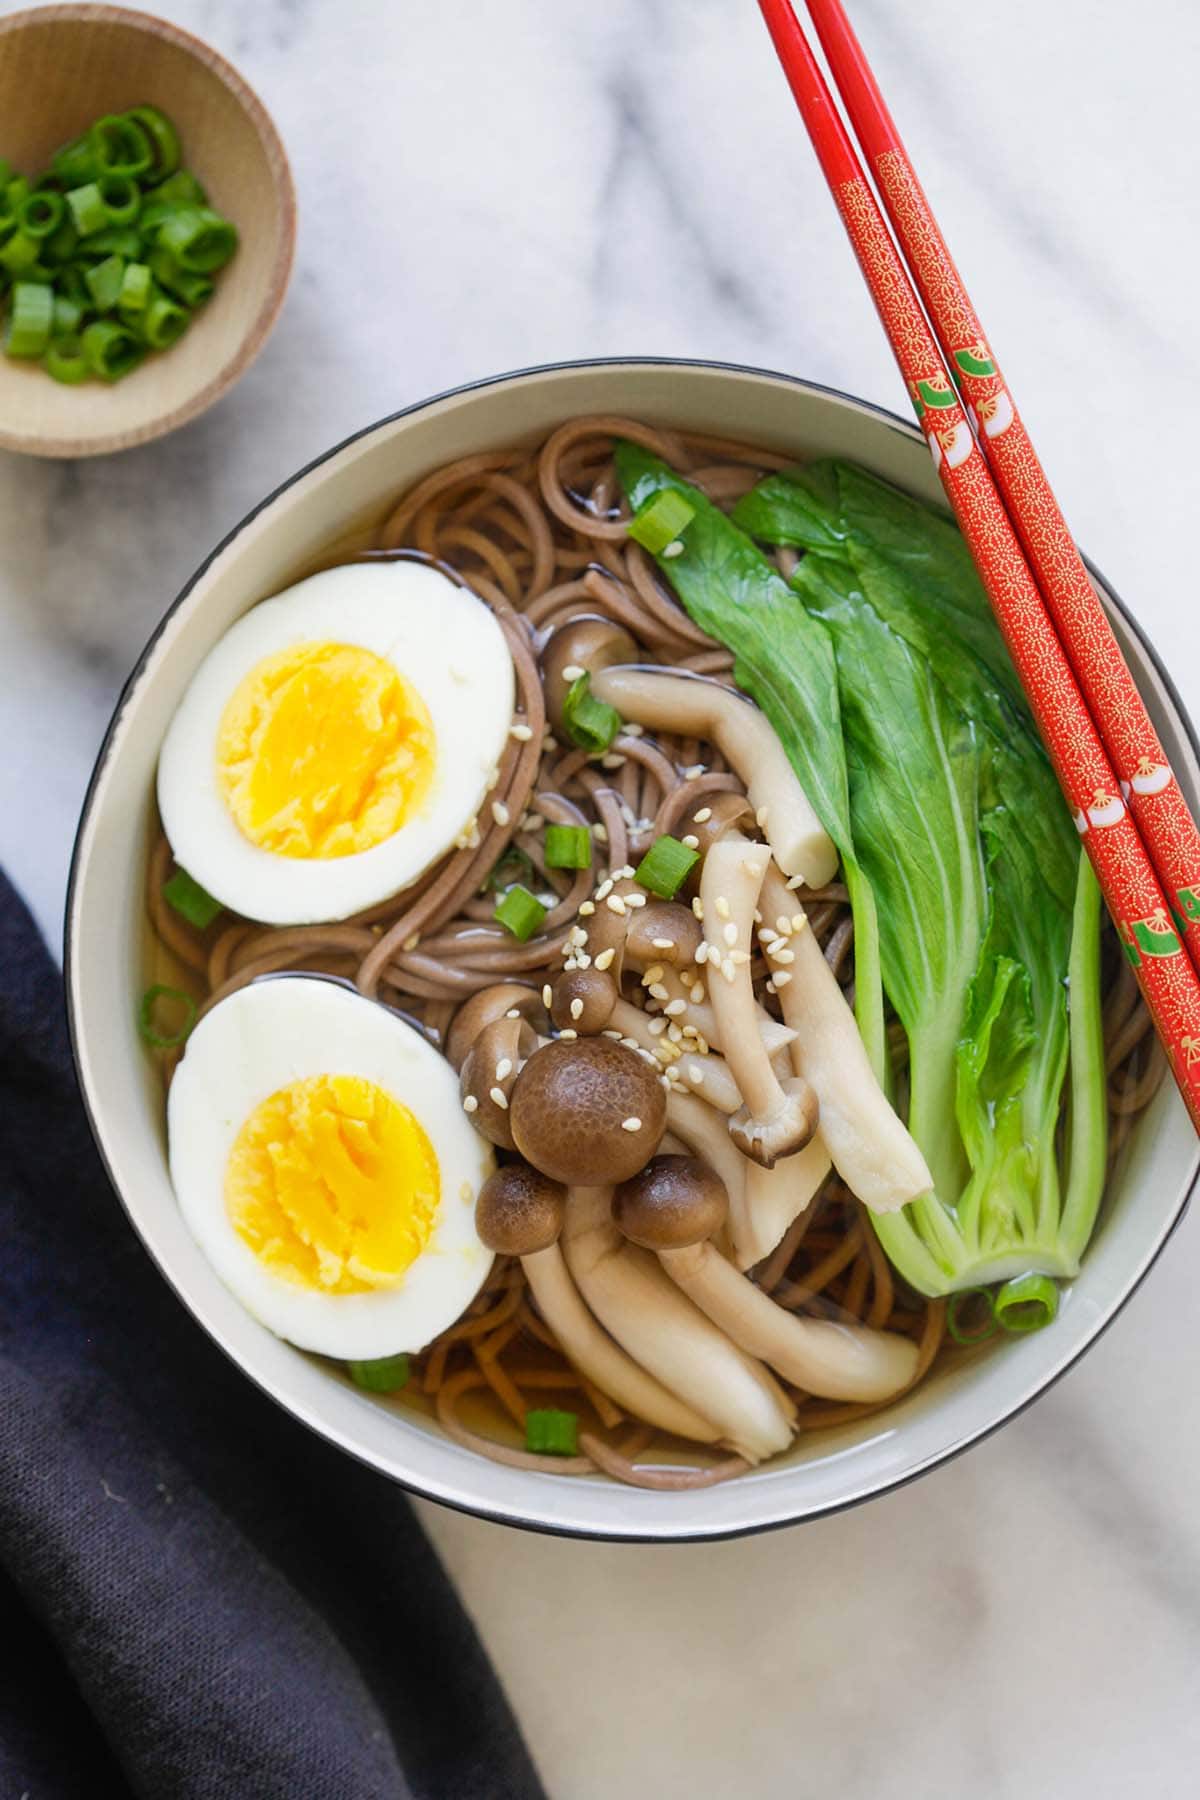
(104, 939)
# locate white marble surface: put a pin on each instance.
(500, 182)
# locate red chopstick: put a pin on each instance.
(1167, 827)
(1123, 867)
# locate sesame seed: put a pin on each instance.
(632, 1123)
(498, 1095)
(695, 1074)
(760, 818)
(673, 1008)
(566, 1032)
(547, 995)
(577, 1009)
(411, 942)
(657, 1027)
(635, 899)
(631, 1043)
(767, 935)
(662, 943)
(466, 1193)
(703, 816)
(770, 985)
(600, 833)
(730, 933)
(692, 770)
(795, 881)
(500, 812)
(722, 906)
(522, 733)
(605, 958)
(757, 914)
(587, 908)
(698, 907)
(470, 1104)
(698, 994)
(613, 761)
(782, 978)
(753, 870)
(728, 970)
(691, 841)
(674, 548)
(783, 926)
(658, 991)
(614, 903)
(625, 874)
(798, 921)
(739, 958)
(785, 956)
(604, 890)
(701, 951)
(633, 729)
(654, 973)
(573, 671)
(674, 1035)
(614, 1035)
(503, 1067)
(514, 1012)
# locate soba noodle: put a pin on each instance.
(539, 536)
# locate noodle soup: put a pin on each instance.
(669, 1295)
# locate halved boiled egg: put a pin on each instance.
(323, 1164)
(336, 741)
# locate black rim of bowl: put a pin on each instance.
(481, 1510)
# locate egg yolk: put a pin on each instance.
(324, 750)
(333, 1184)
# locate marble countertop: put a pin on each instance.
(504, 182)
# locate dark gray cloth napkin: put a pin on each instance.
(198, 1599)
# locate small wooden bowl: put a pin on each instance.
(61, 67)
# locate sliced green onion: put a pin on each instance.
(200, 240)
(1027, 1303)
(661, 520)
(164, 321)
(162, 137)
(588, 722)
(88, 211)
(137, 284)
(190, 900)
(665, 867)
(16, 192)
(382, 1375)
(76, 163)
(112, 350)
(116, 240)
(68, 316)
(549, 1432)
(568, 847)
(20, 252)
(104, 282)
(122, 198)
(520, 912)
(180, 189)
(30, 320)
(195, 289)
(512, 867)
(42, 214)
(65, 359)
(963, 1332)
(72, 286)
(121, 146)
(150, 999)
(61, 245)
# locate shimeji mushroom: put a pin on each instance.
(870, 1147)
(489, 1073)
(582, 646)
(776, 1117)
(519, 1212)
(636, 1302)
(694, 707)
(503, 999)
(587, 1110)
(673, 1207)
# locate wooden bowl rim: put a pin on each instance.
(260, 325)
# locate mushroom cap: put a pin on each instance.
(483, 1076)
(482, 1008)
(519, 1210)
(675, 1201)
(583, 1001)
(723, 809)
(587, 1111)
(786, 1130)
(584, 643)
(662, 931)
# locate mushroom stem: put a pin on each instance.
(714, 1081)
(703, 1016)
(773, 1198)
(836, 1361)
(704, 1133)
(777, 1117)
(646, 1313)
(694, 707)
(596, 1356)
(870, 1147)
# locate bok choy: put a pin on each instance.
(976, 917)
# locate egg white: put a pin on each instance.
(286, 1029)
(446, 644)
